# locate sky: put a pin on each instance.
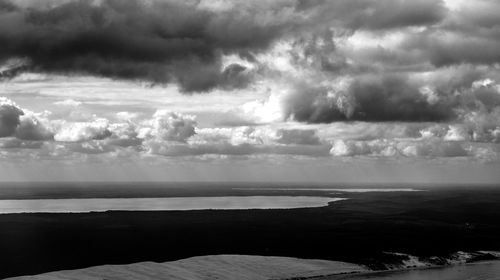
(345, 91)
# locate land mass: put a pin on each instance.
(223, 267)
(367, 229)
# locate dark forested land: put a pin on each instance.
(435, 222)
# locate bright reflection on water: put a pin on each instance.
(159, 204)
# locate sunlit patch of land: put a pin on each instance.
(208, 267)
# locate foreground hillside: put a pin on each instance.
(207, 267)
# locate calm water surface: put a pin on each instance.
(160, 204)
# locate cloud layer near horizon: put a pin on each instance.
(348, 78)
(176, 134)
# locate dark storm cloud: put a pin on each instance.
(478, 18)
(463, 93)
(420, 74)
(469, 34)
(447, 48)
(394, 98)
(6, 6)
(179, 41)
(371, 98)
(400, 13)
(159, 41)
(183, 42)
(378, 15)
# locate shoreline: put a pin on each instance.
(371, 273)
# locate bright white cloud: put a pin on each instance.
(69, 103)
(83, 131)
(168, 126)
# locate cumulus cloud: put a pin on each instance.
(83, 131)
(168, 126)
(32, 128)
(244, 141)
(89, 147)
(16, 123)
(371, 98)
(297, 136)
(371, 67)
(434, 96)
(350, 148)
(69, 103)
(126, 116)
(383, 148)
(123, 135)
(172, 134)
(434, 149)
(9, 117)
(456, 133)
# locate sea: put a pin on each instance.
(83, 205)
